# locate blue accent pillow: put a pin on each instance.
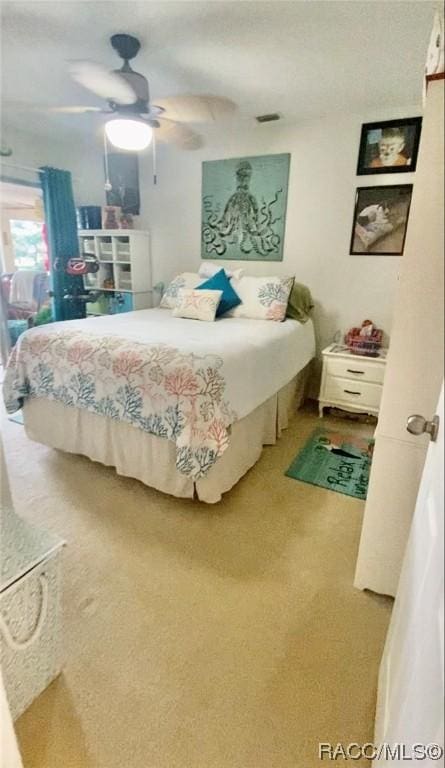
(220, 282)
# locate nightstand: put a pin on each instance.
(351, 382)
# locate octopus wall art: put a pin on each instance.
(244, 207)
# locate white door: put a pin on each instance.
(410, 707)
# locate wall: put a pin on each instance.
(346, 289)
(80, 154)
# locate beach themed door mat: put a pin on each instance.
(339, 462)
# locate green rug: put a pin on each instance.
(17, 417)
(339, 462)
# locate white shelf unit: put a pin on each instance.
(124, 275)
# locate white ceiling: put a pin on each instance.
(301, 59)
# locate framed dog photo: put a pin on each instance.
(389, 147)
(380, 220)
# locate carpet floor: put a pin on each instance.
(197, 636)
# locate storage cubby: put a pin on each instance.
(107, 279)
(124, 275)
(104, 248)
(91, 280)
(122, 248)
(87, 246)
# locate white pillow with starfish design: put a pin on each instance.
(197, 305)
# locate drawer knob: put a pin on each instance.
(350, 392)
(358, 373)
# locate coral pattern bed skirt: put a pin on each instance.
(152, 459)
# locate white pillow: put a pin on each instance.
(184, 280)
(197, 305)
(263, 298)
(208, 269)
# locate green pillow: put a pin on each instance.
(300, 303)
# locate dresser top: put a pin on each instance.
(341, 350)
(22, 546)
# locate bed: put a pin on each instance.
(182, 405)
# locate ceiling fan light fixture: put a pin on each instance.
(132, 135)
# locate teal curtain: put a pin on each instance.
(60, 216)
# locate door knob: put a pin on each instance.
(418, 425)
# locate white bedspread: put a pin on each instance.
(260, 356)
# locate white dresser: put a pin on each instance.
(351, 382)
(30, 617)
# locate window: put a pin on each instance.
(28, 243)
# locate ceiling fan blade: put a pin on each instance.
(68, 110)
(21, 106)
(196, 109)
(180, 135)
(98, 79)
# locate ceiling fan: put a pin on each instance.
(133, 119)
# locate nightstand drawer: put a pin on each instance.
(357, 368)
(353, 392)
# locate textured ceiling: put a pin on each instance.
(301, 59)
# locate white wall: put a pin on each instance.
(347, 289)
(80, 154)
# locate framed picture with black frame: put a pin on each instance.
(380, 220)
(389, 147)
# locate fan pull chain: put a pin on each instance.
(108, 186)
(155, 176)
